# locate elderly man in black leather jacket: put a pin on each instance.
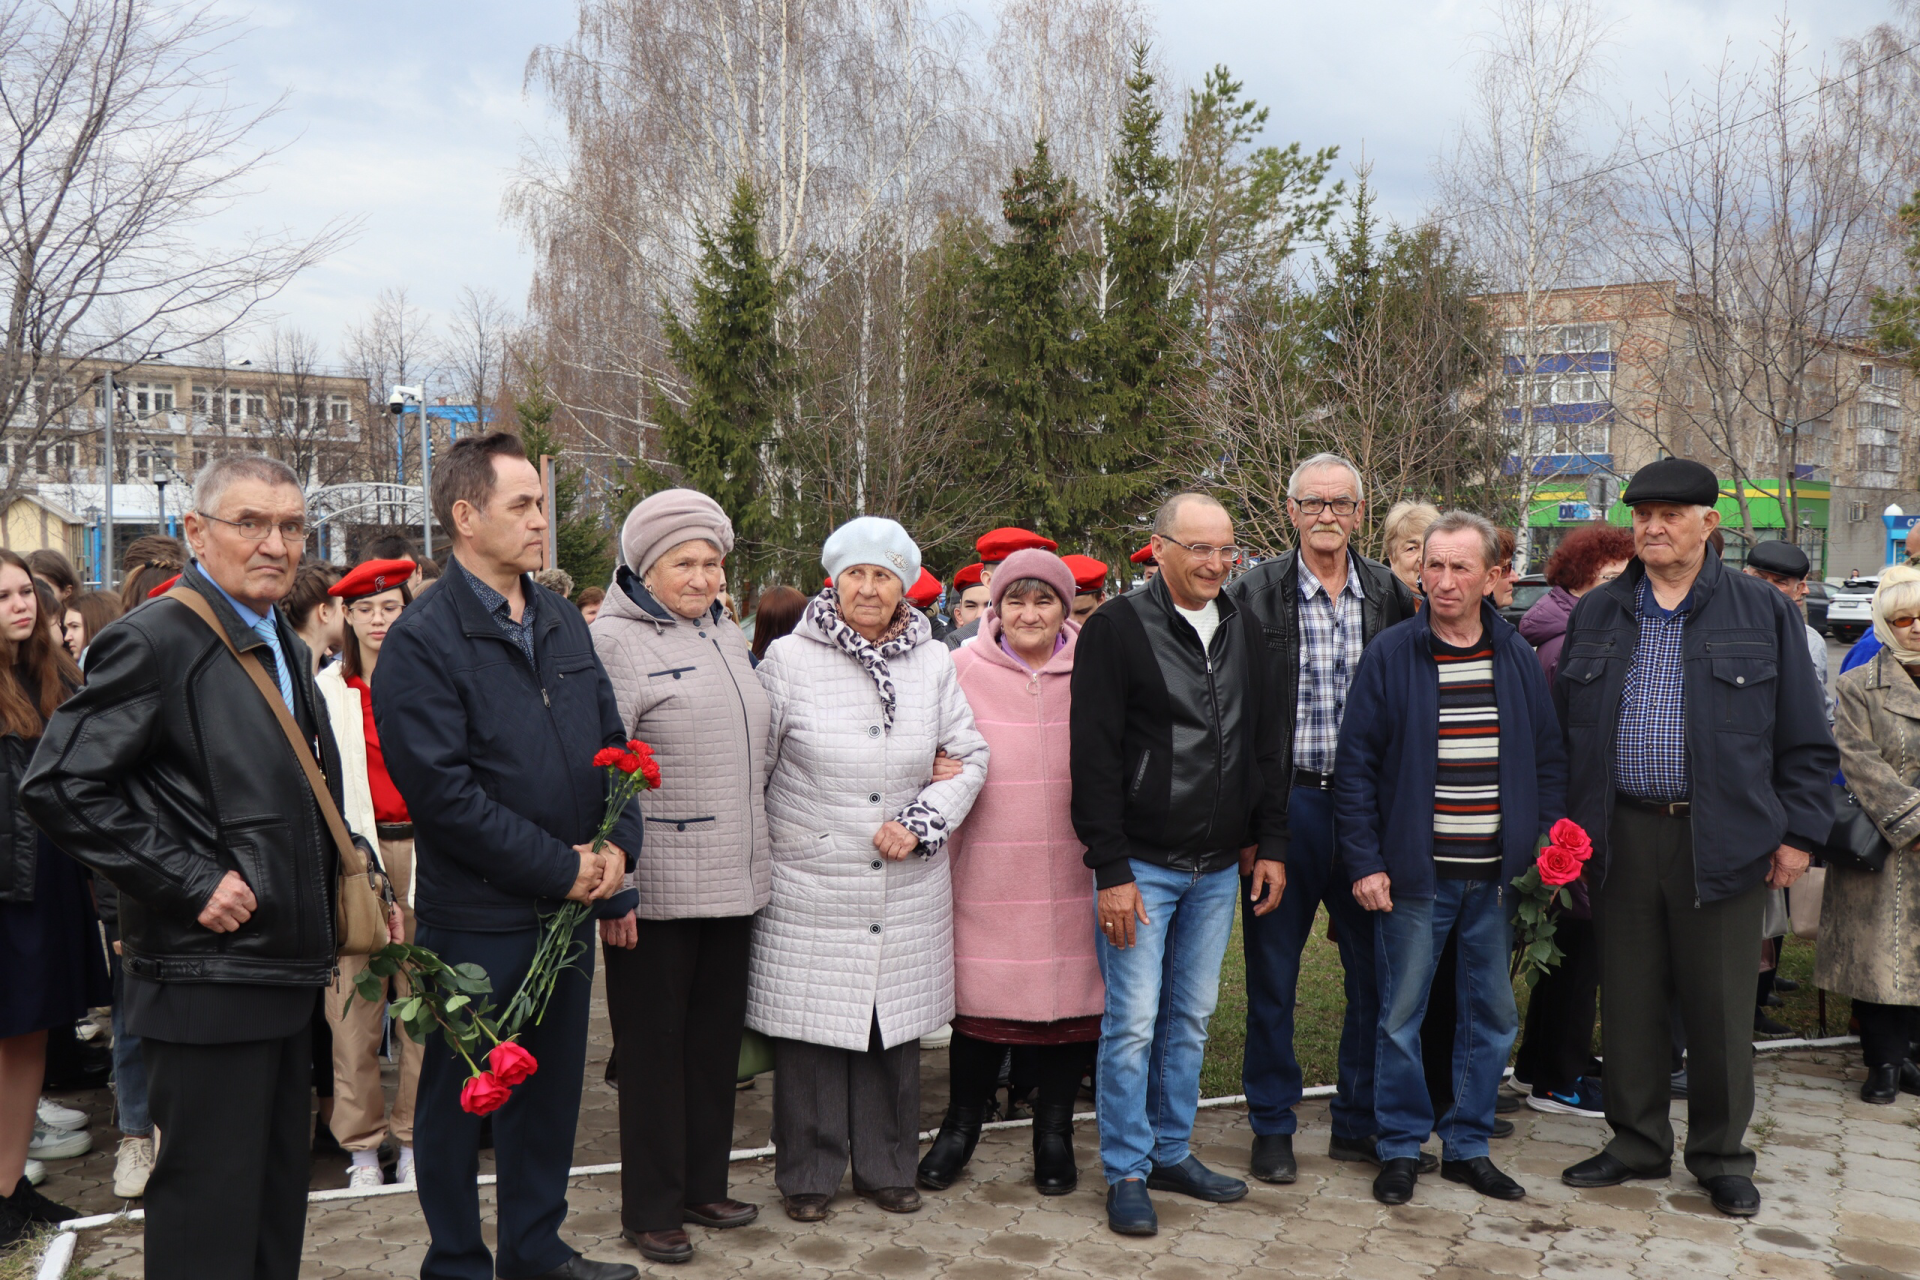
(169, 775)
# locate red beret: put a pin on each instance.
(996, 545)
(1143, 556)
(372, 578)
(163, 588)
(1088, 574)
(924, 591)
(967, 577)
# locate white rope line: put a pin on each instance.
(761, 1153)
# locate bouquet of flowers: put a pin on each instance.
(453, 999)
(1561, 861)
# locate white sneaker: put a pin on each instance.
(54, 1116)
(365, 1177)
(36, 1173)
(59, 1144)
(132, 1167)
(403, 1171)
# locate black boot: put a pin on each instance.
(952, 1147)
(1054, 1172)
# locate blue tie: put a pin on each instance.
(265, 630)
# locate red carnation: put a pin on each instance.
(606, 757)
(638, 747)
(1559, 865)
(483, 1093)
(629, 763)
(650, 771)
(511, 1064)
(1572, 837)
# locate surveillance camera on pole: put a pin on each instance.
(400, 397)
(397, 401)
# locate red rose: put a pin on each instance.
(1559, 865)
(606, 757)
(629, 763)
(1572, 837)
(651, 772)
(483, 1093)
(511, 1064)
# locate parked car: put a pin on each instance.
(1819, 597)
(1526, 593)
(1850, 608)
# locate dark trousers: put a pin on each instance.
(1886, 1031)
(1557, 1046)
(678, 1002)
(532, 1134)
(1657, 947)
(1056, 1069)
(1436, 1028)
(1270, 1072)
(831, 1103)
(228, 1195)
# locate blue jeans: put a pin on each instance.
(1408, 942)
(1270, 1073)
(1160, 993)
(129, 1068)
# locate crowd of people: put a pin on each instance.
(1029, 817)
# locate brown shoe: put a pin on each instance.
(896, 1199)
(720, 1214)
(807, 1208)
(661, 1246)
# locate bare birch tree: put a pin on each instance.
(394, 346)
(297, 427)
(476, 349)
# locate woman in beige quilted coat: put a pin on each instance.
(677, 966)
(1869, 946)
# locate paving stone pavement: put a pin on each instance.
(1841, 1180)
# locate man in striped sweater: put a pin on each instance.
(1450, 768)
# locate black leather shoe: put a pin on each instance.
(806, 1208)
(1505, 1104)
(952, 1147)
(1784, 984)
(1054, 1171)
(1909, 1077)
(720, 1214)
(1367, 1151)
(1501, 1129)
(581, 1267)
(1733, 1194)
(1191, 1178)
(1765, 1025)
(1606, 1170)
(1394, 1183)
(1882, 1085)
(1483, 1176)
(895, 1199)
(1273, 1158)
(661, 1246)
(1130, 1209)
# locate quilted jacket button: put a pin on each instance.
(679, 826)
(873, 731)
(876, 864)
(873, 797)
(873, 928)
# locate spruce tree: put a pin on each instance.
(738, 374)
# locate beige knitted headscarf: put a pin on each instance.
(1899, 589)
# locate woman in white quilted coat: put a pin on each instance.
(677, 967)
(853, 956)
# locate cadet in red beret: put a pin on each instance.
(994, 546)
(924, 591)
(375, 593)
(1089, 584)
(968, 603)
(1148, 565)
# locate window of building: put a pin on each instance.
(256, 405)
(1559, 339)
(337, 408)
(1876, 438)
(1884, 375)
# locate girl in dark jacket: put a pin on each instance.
(49, 945)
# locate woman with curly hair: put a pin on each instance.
(1584, 560)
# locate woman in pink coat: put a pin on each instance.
(1023, 944)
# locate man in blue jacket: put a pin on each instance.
(490, 705)
(1450, 769)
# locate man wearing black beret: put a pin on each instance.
(1786, 567)
(1698, 762)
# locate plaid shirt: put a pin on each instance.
(1329, 652)
(521, 632)
(1650, 750)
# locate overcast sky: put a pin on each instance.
(409, 113)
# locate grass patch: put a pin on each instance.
(22, 1261)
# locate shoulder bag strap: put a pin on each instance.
(351, 861)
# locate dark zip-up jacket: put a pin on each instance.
(1759, 752)
(495, 757)
(167, 770)
(1176, 750)
(1389, 756)
(1270, 591)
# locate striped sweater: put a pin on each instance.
(1466, 793)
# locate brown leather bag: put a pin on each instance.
(364, 893)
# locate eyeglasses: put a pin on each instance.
(1903, 621)
(291, 531)
(367, 609)
(1314, 506)
(1203, 551)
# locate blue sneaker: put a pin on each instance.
(1585, 1100)
(1130, 1209)
(1191, 1178)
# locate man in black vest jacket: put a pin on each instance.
(1176, 760)
(490, 704)
(1317, 609)
(170, 776)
